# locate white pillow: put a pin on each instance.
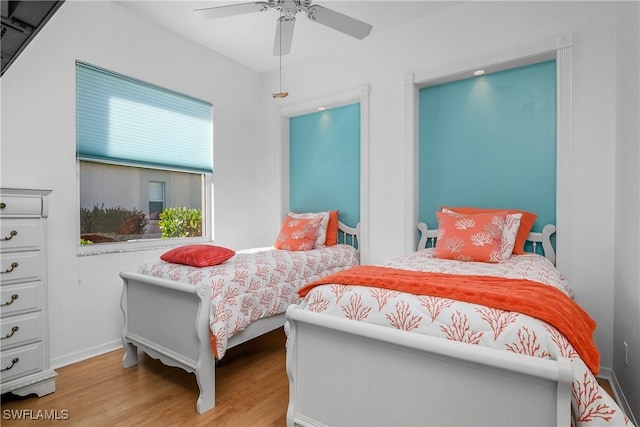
(509, 232)
(322, 219)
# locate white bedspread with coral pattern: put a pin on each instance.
(255, 283)
(472, 323)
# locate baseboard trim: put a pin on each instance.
(609, 375)
(79, 356)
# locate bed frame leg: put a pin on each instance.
(205, 375)
(130, 357)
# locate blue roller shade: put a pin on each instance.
(126, 121)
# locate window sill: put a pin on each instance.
(136, 246)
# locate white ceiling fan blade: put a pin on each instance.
(338, 21)
(231, 10)
(284, 36)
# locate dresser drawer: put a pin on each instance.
(20, 234)
(15, 204)
(20, 361)
(19, 330)
(20, 267)
(20, 298)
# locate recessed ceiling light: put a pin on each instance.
(322, 108)
(478, 72)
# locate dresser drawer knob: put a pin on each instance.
(3, 205)
(14, 265)
(13, 298)
(13, 362)
(13, 331)
(11, 235)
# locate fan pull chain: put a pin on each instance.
(280, 94)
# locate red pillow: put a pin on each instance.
(526, 222)
(198, 255)
(332, 229)
(470, 237)
(297, 234)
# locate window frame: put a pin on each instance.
(148, 243)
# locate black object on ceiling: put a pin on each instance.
(21, 21)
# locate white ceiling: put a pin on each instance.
(248, 39)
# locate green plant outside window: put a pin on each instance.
(180, 222)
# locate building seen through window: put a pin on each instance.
(138, 203)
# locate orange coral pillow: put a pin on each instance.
(321, 219)
(470, 237)
(332, 229)
(297, 234)
(526, 222)
(198, 255)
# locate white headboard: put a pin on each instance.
(349, 235)
(428, 240)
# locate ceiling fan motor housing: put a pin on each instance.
(290, 7)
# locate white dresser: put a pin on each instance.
(24, 335)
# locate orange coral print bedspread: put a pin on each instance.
(454, 315)
(519, 295)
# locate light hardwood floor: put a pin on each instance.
(251, 390)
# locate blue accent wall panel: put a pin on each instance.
(324, 162)
(490, 141)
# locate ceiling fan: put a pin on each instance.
(286, 23)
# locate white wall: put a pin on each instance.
(627, 206)
(467, 33)
(38, 151)
(38, 143)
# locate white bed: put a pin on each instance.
(346, 372)
(170, 319)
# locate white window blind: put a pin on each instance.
(156, 191)
(122, 120)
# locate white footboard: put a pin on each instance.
(169, 321)
(344, 372)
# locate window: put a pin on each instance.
(145, 159)
(156, 198)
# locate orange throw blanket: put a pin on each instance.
(214, 345)
(519, 295)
